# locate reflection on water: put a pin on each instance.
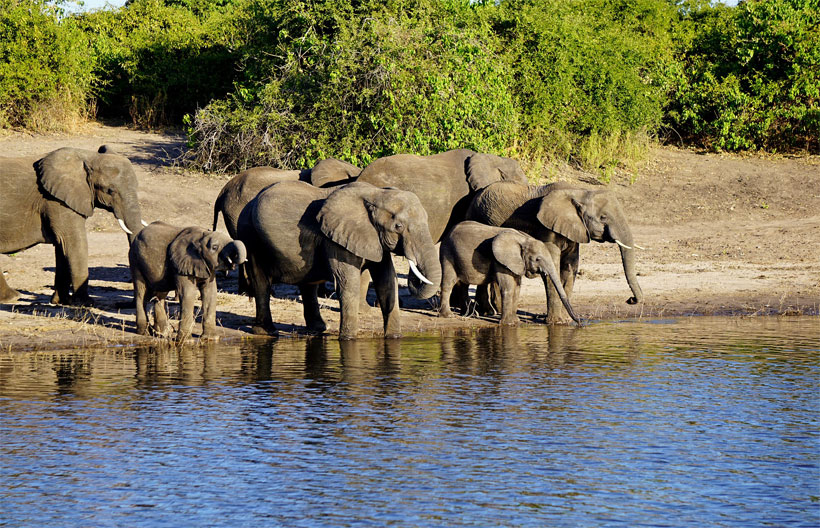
(698, 422)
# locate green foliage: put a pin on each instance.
(348, 81)
(751, 77)
(45, 70)
(157, 62)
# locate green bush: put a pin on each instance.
(750, 77)
(157, 62)
(358, 82)
(45, 69)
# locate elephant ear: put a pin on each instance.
(63, 174)
(507, 251)
(345, 219)
(187, 253)
(484, 169)
(332, 171)
(559, 212)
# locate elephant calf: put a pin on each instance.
(474, 253)
(165, 258)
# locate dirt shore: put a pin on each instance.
(724, 235)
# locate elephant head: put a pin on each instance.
(484, 169)
(331, 172)
(527, 256)
(83, 179)
(369, 221)
(199, 253)
(582, 215)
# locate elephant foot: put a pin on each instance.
(264, 330)
(393, 335)
(446, 313)
(9, 295)
(565, 321)
(316, 327)
(84, 300)
(509, 321)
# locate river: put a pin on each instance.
(682, 422)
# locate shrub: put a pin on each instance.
(357, 83)
(751, 77)
(45, 70)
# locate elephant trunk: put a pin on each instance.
(623, 236)
(233, 254)
(425, 258)
(129, 217)
(549, 271)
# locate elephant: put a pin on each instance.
(243, 187)
(563, 216)
(443, 182)
(300, 234)
(166, 258)
(48, 200)
(474, 253)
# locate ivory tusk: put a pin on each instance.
(122, 225)
(417, 273)
(622, 244)
(144, 223)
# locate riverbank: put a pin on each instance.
(724, 235)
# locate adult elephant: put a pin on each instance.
(300, 234)
(48, 200)
(562, 216)
(244, 187)
(443, 182)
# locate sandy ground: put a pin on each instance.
(724, 235)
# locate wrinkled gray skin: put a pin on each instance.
(244, 187)
(167, 258)
(47, 201)
(444, 184)
(562, 216)
(474, 253)
(299, 234)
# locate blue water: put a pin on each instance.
(691, 422)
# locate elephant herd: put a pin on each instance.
(333, 222)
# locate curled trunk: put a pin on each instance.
(426, 258)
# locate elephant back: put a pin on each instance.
(439, 181)
(283, 220)
(331, 172)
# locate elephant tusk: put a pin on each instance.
(639, 247)
(144, 223)
(622, 244)
(122, 225)
(417, 273)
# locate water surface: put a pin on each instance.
(690, 422)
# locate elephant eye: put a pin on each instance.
(603, 218)
(215, 247)
(398, 227)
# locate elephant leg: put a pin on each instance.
(208, 293)
(347, 274)
(510, 286)
(387, 292)
(187, 293)
(460, 297)
(62, 278)
(142, 296)
(260, 283)
(242, 286)
(449, 280)
(7, 294)
(310, 304)
(160, 314)
(364, 286)
(75, 249)
(556, 313)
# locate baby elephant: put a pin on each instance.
(165, 258)
(474, 253)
